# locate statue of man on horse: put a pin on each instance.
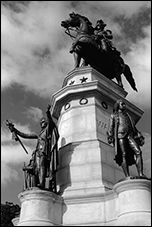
(94, 46)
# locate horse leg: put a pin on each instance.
(73, 47)
(119, 80)
(84, 63)
(77, 59)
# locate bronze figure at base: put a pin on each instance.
(44, 160)
(126, 139)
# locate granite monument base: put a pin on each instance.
(134, 197)
(40, 208)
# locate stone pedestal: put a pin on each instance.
(15, 221)
(87, 169)
(40, 208)
(82, 108)
(134, 199)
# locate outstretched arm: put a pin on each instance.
(25, 135)
(17, 132)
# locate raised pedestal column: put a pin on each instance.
(82, 108)
(134, 199)
(40, 208)
(86, 166)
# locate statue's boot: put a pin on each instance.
(139, 165)
(77, 59)
(125, 167)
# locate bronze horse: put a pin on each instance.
(85, 47)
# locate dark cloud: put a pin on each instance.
(74, 4)
(40, 43)
(132, 29)
(43, 53)
(16, 6)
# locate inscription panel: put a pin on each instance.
(102, 124)
(102, 128)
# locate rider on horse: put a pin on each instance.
(104, 37)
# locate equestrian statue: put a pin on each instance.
(94, 46)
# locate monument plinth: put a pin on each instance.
(87, 192)
(83, 107)
(87, 171)
(40, 208)
(134, 198)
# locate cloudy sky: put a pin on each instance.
(36, 59)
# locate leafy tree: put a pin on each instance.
(8, 212)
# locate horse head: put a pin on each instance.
(80, 22)
(72, 21)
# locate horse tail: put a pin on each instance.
(129, 77)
